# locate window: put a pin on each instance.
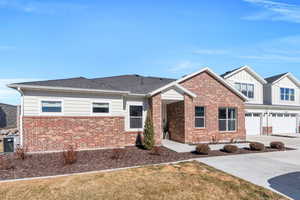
(136, 116)
(100, 107)
(51, 106)
(199, 117)
(287, 94)
(246, 89)
(227, 119)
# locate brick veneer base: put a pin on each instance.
(56, 133)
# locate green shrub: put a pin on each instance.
(230, 148)
(202, 149)
(277, 145)
(256, 146)
(148, 141)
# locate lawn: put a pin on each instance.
(189, 180)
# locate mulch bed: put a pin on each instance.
(49, 164)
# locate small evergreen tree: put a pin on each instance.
(149, 141)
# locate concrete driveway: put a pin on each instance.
(278, 171)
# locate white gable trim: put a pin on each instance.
(289, 75)
(206, 69)
(250, 71)
(173, 84)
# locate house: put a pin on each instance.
(110, 112)
(273, 104)
(8, 116)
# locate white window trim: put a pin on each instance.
(128, 117)
(248, 83)
(290, 94)
(100, 114)
(51, 113)
(204, 118)
(236, 120)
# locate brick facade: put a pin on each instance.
(156, 111)
(43, 133)
(175, 116)
(56, 133)
(211, 94)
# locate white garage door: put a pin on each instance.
(253, 123)
(284, 123)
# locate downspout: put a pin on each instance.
(21, 116)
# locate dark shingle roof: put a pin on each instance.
(133, 83)
(229, 72)
(77, 82)
(272, 79)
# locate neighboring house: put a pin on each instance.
(273, 105)
(110, 112)
(8, 116)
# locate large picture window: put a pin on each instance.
(287, 94)
(246, 88)
(136, 116)
(227, 119)
(199, 117)
(100, 107)
(51, 106)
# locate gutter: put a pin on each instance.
(34, 87)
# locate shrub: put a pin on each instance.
(5, 163)
(70, 156)
(117, 154)
(230, 148)
(20, 153)
(202, 148)
(256, 146)
(214, 139)
(155, 151)
(149, 141)
(277, 145)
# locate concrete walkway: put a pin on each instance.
(278, 171)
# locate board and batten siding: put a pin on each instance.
(245, 77)
(284, 83)
(172, 94)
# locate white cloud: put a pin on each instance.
(40, 7)
(183, 66)
(275, 11)
(211, 51)
(8, 95)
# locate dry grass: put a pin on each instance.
(189, 180)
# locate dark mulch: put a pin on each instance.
(36, 165)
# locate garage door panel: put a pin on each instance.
(253, 123)
(284, 123)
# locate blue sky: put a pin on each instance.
(51, 39)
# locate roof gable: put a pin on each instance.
(277, 78)
(249, 70)
(217, 77)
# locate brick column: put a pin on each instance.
(156, 109)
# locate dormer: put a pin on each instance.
(282, 89)
(247, 82)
